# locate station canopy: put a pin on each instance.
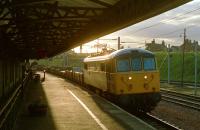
(32, 29)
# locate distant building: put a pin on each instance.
(190, 46)
(153, 46)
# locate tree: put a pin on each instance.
(153, 41)
(163, 42)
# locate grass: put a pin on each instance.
(176, 66)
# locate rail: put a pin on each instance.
(8, 113)
(158, 123)
(188, 101)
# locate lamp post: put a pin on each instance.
(119, 41)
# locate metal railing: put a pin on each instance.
(9, 111)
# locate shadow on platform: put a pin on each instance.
(37, 119)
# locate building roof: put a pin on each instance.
(43, 28)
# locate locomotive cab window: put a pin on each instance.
(123, 65)
(149, 63)
(136, 64)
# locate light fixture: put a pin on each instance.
(145, 77)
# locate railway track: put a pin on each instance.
(156, 122)
(151, 120)
(181, 99)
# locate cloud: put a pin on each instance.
(167, 26)
(172, 21)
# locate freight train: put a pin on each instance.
(129, 76)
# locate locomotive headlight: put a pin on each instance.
(129, 78)
(145, 77)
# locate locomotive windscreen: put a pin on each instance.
(136, 64)
(123, 65)
(149, 63)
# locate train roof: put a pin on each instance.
(119, 53)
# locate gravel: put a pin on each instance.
(181, 117)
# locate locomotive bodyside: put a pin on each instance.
(128, 74)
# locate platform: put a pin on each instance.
(72, 108)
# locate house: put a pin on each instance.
(190, 46)
(153, 46)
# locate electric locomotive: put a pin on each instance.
(129, 75)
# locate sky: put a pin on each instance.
(168, 26)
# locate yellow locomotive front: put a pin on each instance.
(136, 80)
(135, 75)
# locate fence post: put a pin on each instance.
(168, 63)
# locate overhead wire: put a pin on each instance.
(169, 33)
(162, 22)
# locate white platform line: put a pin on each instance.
(89, 111)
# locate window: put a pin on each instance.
(136, 64)
(123, 65)
(149, 64)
